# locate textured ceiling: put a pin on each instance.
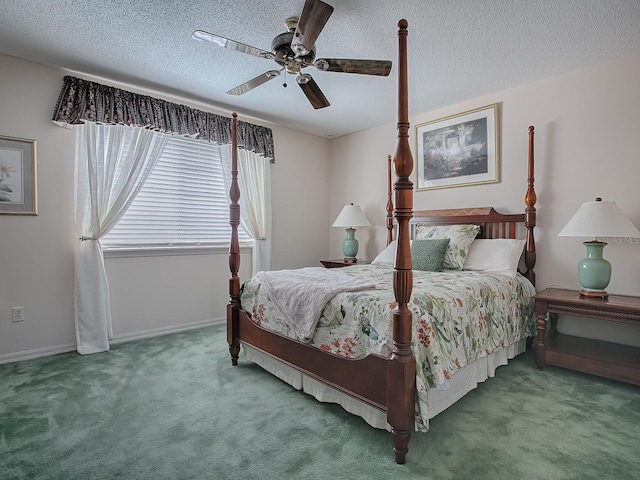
(458, 49)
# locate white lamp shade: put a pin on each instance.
(351, 216)
(599, 219)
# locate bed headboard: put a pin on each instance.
(492, 224)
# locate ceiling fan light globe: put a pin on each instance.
(293, 65)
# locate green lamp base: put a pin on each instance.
(594, 272)
(350, 246)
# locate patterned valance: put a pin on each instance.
(84, 100)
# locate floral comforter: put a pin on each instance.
(458, 317)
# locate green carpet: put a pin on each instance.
(172, 407)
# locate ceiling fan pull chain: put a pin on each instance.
(284, 84)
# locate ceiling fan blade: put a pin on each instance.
(231, 44)
(312, 20)
(254, 82)
(312, 91)
(346, 65)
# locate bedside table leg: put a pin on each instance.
(540, 350)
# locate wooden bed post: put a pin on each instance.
(389, 203)
(401, 371)
(234, 249)
(530, 215)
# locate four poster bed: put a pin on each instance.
(395, 344)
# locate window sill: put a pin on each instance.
(128, 252)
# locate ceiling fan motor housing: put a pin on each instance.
(285, 56)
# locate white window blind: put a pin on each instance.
(183, 203)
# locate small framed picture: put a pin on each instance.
(18, 195)
(458, 150)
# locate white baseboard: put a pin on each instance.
(36, 353)
(126, 337)
(155, 332)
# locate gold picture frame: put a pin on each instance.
(458, 150)
(18, 192)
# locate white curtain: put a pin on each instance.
(112, 163)
(254, 181)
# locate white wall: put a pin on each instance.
(586, 146)
(586, 123)
(36, 256)
(300, 199)
(149, 294)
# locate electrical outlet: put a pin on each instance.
(17, 314)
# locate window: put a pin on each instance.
(183, 203)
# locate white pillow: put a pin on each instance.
(386, 256)
(500, 255)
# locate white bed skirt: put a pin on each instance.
(439, 399)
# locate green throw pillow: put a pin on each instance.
(428, 254)
(461, 237)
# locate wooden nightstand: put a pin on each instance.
(611, 360)
(340, 262)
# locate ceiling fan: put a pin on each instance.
(294, 50)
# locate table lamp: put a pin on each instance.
(351, 216)
(597, 219)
